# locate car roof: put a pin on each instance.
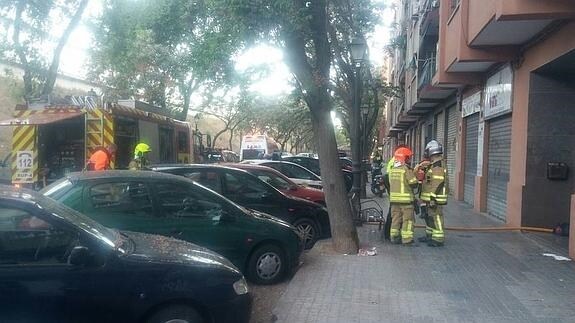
(164, 167)
(8, 192)
(129, 174)
(266, 161)
(301, 157)
(260, 167)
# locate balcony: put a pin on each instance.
(512, 22)
(429, 24)
(423, 95)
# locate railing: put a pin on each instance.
(427, 72)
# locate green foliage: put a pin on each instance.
(161, 51)
(31, 24)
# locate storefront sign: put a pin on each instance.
(498, 92)
(480, 134)
(24, 167)
(471, 104)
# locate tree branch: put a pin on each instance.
(53, 70)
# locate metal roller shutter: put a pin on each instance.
(471, 132)
(440, 127)
(499, 155)
(451, 145)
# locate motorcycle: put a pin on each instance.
(377, 185)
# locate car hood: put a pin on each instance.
(301, 202)
(160, 249)
(269, 218)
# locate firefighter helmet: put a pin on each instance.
(141, 148)
(402, 154)
(433, 148)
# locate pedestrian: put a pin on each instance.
(101, 158)
(140, 160)
(402, 181)
(434, 193)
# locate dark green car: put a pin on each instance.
(264, 247)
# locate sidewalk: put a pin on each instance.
(476, 277)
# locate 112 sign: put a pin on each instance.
(24, 159)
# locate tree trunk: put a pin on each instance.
(217, 136)
(343, 231)
(53, 70)
(231, 139)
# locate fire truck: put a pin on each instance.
(52, 140)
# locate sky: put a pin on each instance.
(75, 56)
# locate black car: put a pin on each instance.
(309, 218)
(307, 162)
(57, 265)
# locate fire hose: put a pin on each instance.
(483, 229)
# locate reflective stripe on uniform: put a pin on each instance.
(397, 176)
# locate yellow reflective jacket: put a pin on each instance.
(389, 165)
(401, 181)
(435, 185)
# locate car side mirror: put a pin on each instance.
(79, 256)
(293, 188)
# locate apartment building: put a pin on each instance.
(494, 81)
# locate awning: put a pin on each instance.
(41, 118)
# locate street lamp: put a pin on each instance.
(358, 48)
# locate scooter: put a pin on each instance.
(377, 185)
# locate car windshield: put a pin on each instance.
(273, 179)
(109, 236)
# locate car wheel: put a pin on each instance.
(176, 314)
(308, 230)
(267, 265)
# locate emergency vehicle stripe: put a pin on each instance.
(24, 138)
(108, 132)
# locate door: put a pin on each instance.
(194, 214)
(249, 191)
(498, 166)
(451, 145)
(471, 141)
(124, 205)
(36, 282)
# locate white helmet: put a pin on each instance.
(433, 148)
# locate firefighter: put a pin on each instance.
(402, 181)
(140, 160)
(101, 158)
(434, 193)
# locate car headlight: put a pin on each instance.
(241, 287)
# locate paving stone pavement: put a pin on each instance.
(476, 277)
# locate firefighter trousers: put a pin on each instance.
(434, 223)
(401, 223)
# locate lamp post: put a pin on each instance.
(358, 52)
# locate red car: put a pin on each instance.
(283, 183)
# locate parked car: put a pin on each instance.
(57, 265)
(311, 155)
(265, 248)
(297, 173)
(311, 219)
(308, 162)
(346, 163)
(312, 164)
(283, 183)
